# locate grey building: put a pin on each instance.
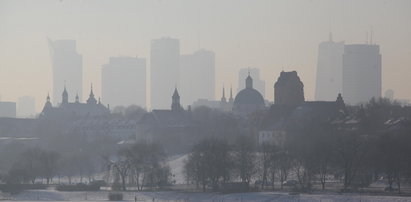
(67, 68)
(124, 81)
(197, 76)
(361, 73)
(329, 70)
(164, 63)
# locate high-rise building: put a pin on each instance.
(259, 84)
(124, 81)
(8, 109)
(164, 63)
(67, 68)
(329, 70)
(26, 107)
(197, 76)
(361, 73)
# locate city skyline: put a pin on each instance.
(263, 38)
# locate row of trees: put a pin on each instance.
(349, 158)
(141, 165)
(37, 163)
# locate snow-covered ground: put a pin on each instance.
(176, 164)
(52, 195)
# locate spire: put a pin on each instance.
(223, 99)
(231, 94)
(249, 81)
(91, 99)
(175, 105)
(91, 91)
(64, 99)
(47, 105)
(175, 94)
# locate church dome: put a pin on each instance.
(249, 96)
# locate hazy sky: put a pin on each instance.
(272, 35)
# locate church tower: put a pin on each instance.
(175, 106)
(248, 81)
(64, 99)
(223, 99)
(91, 99)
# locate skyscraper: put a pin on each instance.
(67, 68)
(124, 81)
(329, 70)
(259, 84)
(197, 76)
(164, 63)
(361, 73)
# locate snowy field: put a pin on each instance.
(51, 195)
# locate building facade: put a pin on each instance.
(289, 89)
(361, 73)
(74, 110)
(165, 64)
(67, 68)
(197, 76)
(329, 70)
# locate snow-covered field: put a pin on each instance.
(51, 195)
(176, 164)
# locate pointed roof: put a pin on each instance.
(175, 94)
(249, 81)
(65, 90)
(91, 99)
(91, 91)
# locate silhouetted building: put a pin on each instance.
(8, 109)
(67, 66)
(248, 100)
(197, 76)
(281, 120)
(361, 73)
(26, 107)
(329, 70)
(165, 63)
(258, 84)
(227, 104)
(289, 90)
(172, 128)
(74, 110)
(124, 81)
